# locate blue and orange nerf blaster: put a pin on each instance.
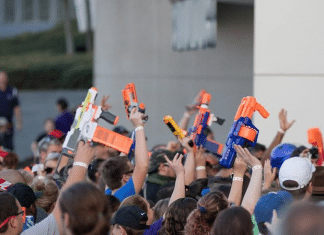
(198, 131)
(242, 132)
(131, 102)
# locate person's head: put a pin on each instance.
(113, 202)
(258, 150)
(142, 203)
(61, 104)
(42, 149)
(129, 220)
(159, 165)
(51, 163)
(280, 154)
(202, 218)
(10, 161)
(233, 221)
(50, 193)
(49, 125)
(295, 176)
(104, 152)
(160, 208)
(165, 191)
(304, 218)
(93, 170)
(84, 210)
(11, 215)
(28, 176)
(176, 216)
(263, 211)
(3, 80)
(121, 130)
(13, 176)
(54, 146)
(116, 171)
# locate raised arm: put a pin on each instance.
(190, 165)
(253, 191)
(284, 126)
(18, 116)
(184, 122)
(201, 171)
(141, 153)
(179, 187)
(237, 182)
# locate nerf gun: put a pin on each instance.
(198, 101)
(315, 138)
(242, 132)
(175, 129)
(198, 130)
(130, 100)
(85, 127)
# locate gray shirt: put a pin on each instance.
(47, 226)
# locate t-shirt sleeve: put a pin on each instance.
(126, 190)
(47, 226)
(154, 228)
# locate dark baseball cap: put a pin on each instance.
(24, 194)
(130, 216)
(157, 158)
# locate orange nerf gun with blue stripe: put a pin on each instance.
(315, 138)
(242, 132)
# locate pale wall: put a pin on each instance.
(133, 44)
(288, 65)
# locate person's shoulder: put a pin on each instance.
(48, 226)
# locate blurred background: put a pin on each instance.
(170, 49)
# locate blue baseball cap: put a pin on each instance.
(278, 201)
(280, 154)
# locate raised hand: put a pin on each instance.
(104, 105)
(239, 167)
(269, 174)
(136, 117)
(85, 153)
(247, 157)
(176, 164)
(284, 124)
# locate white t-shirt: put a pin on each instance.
(47, 226)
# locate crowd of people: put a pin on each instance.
(175, 188)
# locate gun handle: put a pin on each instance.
(263, 112)
(109, 117)
(220, 121)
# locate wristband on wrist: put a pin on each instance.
(139, 128)
(281, 131)
(257, 167)
(238, 179)
(200, 168)
(81, 164)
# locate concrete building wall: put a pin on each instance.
(288, 65)
(133, 44)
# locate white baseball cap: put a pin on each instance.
(298, 169)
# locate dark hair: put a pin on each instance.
(298, 151)
(131, 231)
(195, 187)
(113, 202)
(160, 208)
(165, 191)
(258, 147)
(63, 103)
(297, 193)
(113, 170)
(202, 218)
(176, 216)
(8, 207)
(233, 221)
(87, 208)
(158, 146)
(10, 161)
(93, 169)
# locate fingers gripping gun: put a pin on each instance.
(242, 132)
(198, 131)
(175, 129)
(315, 138)
(85, 127)
(131, 102)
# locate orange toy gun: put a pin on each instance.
(198, 100)
(242, 132)
(85, 127)
(315, 138)
(202, 120)
(175, 129)
(130, 100)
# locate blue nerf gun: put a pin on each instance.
(242, 132)
(198, 131)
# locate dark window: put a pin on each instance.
(9, 11)
(43, 9)
(27, 10)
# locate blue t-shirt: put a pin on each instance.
(8, 101)
(154, 228)
(125, 191)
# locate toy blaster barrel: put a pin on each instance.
(242, 132)
(130, 100)
(315, 138)
(175, 129)
(198, 99)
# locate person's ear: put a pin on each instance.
(13, 222)
(126, 177)
(310, 188)
(122, 230)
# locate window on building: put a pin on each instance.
(27, 10)
(44, 6)
(9, 11)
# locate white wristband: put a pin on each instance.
(238, 179)
(81, 164)
(257, 167)
(139, 128)
(200, 168)
(281, 131)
